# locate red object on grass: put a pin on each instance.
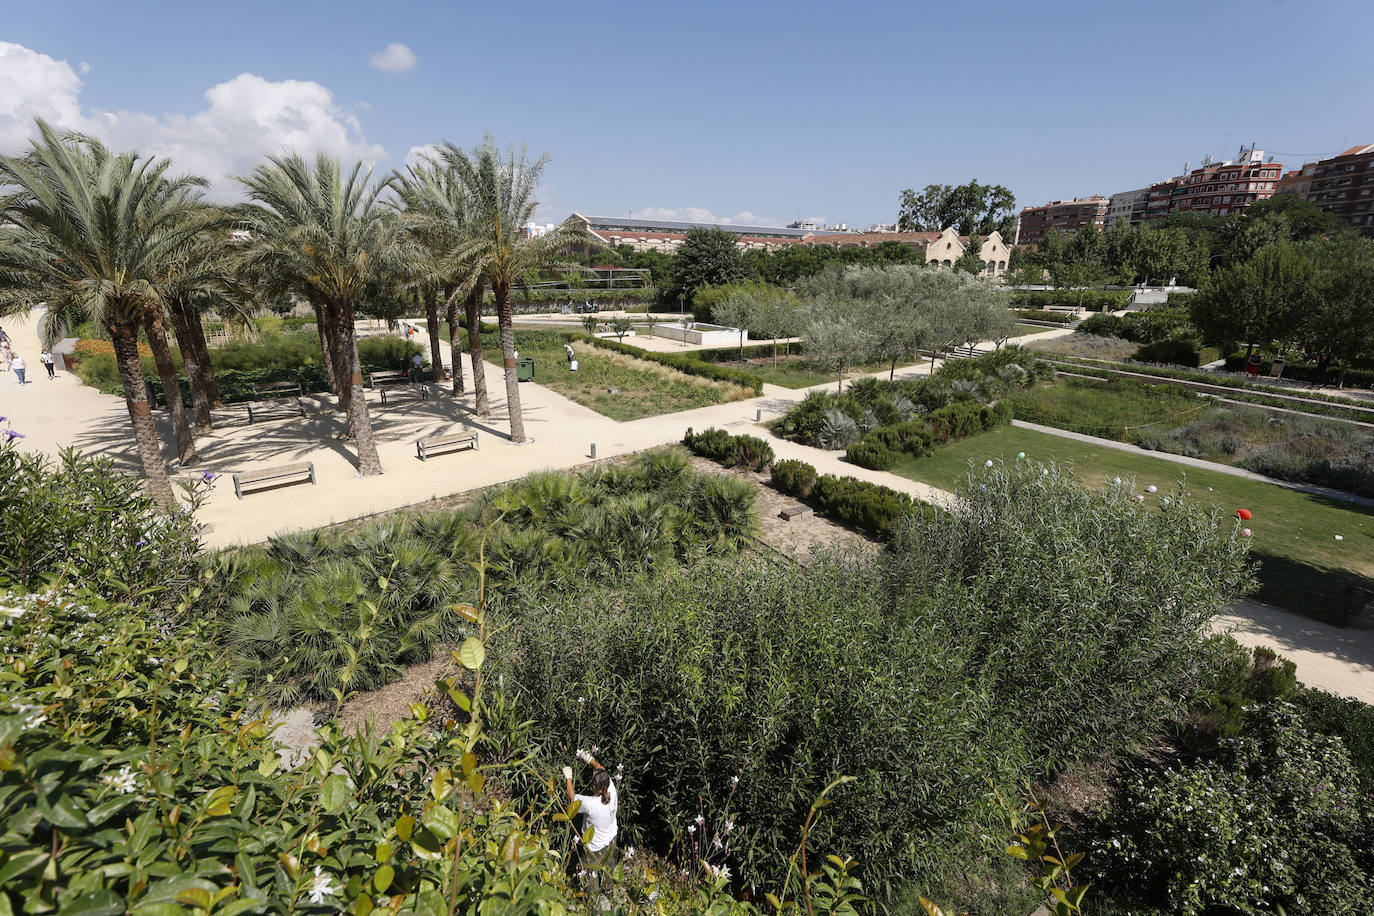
(1244, 515)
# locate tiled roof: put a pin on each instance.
(1357, 150)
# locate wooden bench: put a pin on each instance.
(275, 477)
(452, 442)
(390, 377)
(274, 400)
(399, 386)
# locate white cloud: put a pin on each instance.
(703, 215)
(246, 118)
(421, 152)
(394, 58)
(84, 68)
(34, 85)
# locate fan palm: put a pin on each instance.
(436, 210)
(500, 191)
(326, 236)
(85, 231)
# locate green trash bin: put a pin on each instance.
(524, 369)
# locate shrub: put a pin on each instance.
(869, 508)
(928, 672)
(1346, 718)
(1042, 315)
(871, 453)
(1273, 822)
(732, 451)
(795, 478)
(1094, 300)
(1101, 325)
(80, 520)
(1175, 351)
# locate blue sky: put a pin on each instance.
(745, 111)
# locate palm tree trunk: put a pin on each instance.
(505, 322)
(436, 359)
(207, 368)
(125, 340)
(326, 345)
(359, 422)
(171, 388)
(342, 345)
(455, 347)
(472, 309)
(200, 399)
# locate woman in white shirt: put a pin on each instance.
(599, 812)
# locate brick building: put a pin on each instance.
(1222, 188)
(1067, 216)
(1344, 185)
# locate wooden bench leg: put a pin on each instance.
(238, 490)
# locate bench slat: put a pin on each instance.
(250, 478)
(449, 442)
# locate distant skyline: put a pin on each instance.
(760, 113)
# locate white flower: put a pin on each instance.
(122, 782)
(630, 852)
(701, 821)
(321, 886)
(716, 842)
(734, 781)
(691, 828)
(729, 825)
(723, 872)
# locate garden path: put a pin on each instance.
(63, 412)
(1339, 495)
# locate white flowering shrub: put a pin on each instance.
(1277, 818)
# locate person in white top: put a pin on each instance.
(19, 367)
(599, 812)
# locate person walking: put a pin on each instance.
(6, 355)
(18, 366)
(598, 812)
(46, 358)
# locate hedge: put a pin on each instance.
(683, 363)
(1094, 300)
(879, 449)
(728, 354)
(730, 450)
(1042, 315)
(1177, 352)
(1307, 372)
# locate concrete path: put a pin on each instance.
(1326, 492)
(1338, 659)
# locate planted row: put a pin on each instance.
(879, 449)
(869, 508)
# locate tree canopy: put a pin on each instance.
(707, 257)
(970, 208)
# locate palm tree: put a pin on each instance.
(84, 231)
(500, 201)
(328, 237)
(436, 207)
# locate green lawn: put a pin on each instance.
(1305, 569)
(1024, 329)
(642, 388)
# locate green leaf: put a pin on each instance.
(1017, 851)
(404, 825)
(107, 809)
(21, 863)
(443, 821)
(472, 653)
(383, 851)
(60, 811)
(336, 792)
(382, 880)
(94, 903)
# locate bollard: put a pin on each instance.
(593, 455)
(758, 415)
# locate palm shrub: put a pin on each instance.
(346, 617)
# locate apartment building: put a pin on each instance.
(1128, 207)
(1067, 216)
(1344, 185)
(1222, 188)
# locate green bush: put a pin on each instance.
(871, 453)
(794, 478)
(1346, 718)
(732, 451)
(1042, 315)
(926, 675)
(1274, 821)
(1094, 300)
(869, 508)
(79, 519)
(1306, 372)
(1177, 352)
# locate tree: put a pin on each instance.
(84, 233)
(590, 323)
(836, 337)
(735, 311)
(500, 201)
(970, 208)
(1339, 325)
(327, 235)
(622, 326)
(1257, 300)
(971, 261)
(707, 257)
